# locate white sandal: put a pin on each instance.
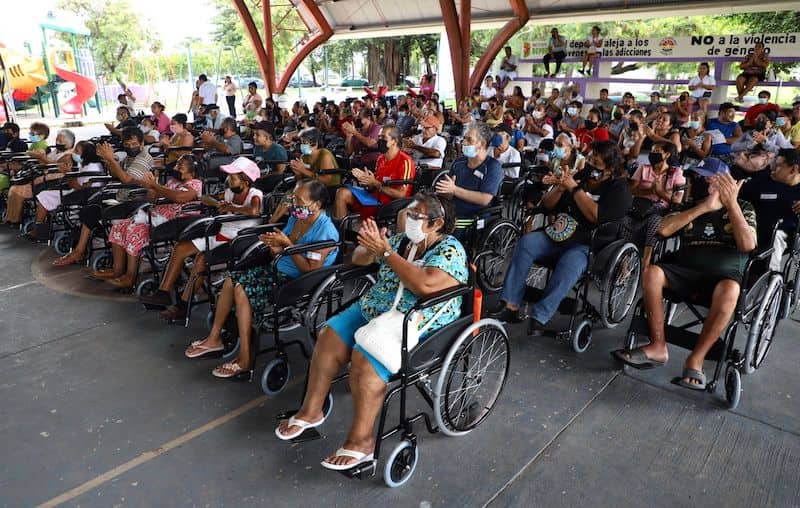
(344, 452)
(297, 422)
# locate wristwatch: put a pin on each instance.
(387, 253)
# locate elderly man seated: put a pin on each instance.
(392, 164)
(717, 233)
(427, 148)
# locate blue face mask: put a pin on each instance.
(469, 150)
(572, 111)
(305, 149)
(401, 114)
(780, 121)
(76, 158)
(694, 124)
(35, 138)
(763, 100)
(559, 152)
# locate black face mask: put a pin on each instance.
(60, 147)
(382, 145)
(236, 190)
(760, 125)
(655, 158)
(594, 172)
(589, 124)
(358, 123)
(617, 116)
(133, 152)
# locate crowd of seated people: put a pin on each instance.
(652, 170)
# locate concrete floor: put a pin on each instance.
(101, 409)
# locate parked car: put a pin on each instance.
(353, 82)
(305, 82)
(243, 81)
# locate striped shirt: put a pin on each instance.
(401, 167)
(137, 166)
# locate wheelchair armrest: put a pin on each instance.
(234, 217)
(333, 172)
(300, 249)
(440, 297)
(511, 165)
(99, 179)
(258, 230)
(399, 182)
(78, 174)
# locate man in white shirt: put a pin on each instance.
(487, 92)
(427, 148)
(207, 90)
(503, 152)
(508, 68)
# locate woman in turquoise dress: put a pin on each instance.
(250, 291)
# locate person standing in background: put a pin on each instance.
(230, 95)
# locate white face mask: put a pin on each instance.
(414, 230)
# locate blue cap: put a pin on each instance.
(709, 167)
(497, 140)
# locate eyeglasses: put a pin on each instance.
(411, 214)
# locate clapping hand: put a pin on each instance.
(276, 240)
(365, 177)
(372, 238)
(446, 185)
(106, 151)
(728, 189)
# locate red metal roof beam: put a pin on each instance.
(513, 26)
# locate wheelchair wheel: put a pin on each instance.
(733, 386)
(762, 331)
(276, 376)
(286, 323)
(62, 243)
(496, 249)
(146, 287)
(27, 226)
(582, 336)
(328, 299)
(619, 285)
(401, 464)
(103, 262)
(791, 288)
(472, 377)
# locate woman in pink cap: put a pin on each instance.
(239, 198)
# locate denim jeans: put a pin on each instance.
(571, 260)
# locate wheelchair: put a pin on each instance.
(761, 297)
(460, 371)
(305, 301)
(605, 292)
(64, 223)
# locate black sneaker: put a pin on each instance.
(535, 327)
(503, 313)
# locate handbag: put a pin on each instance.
(382, 337)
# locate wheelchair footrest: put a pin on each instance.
(361, 471)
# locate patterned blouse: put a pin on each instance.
(448, 255)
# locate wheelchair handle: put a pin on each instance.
(300, 249)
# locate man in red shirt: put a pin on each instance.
(591, 132)
(763, 105)
(392, 164)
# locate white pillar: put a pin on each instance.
(445, 82)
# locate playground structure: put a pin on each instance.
(69, 62)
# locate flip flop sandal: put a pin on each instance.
(297, 422)
(696, 375)
(636, 359)
(230, 370)
(360, 457)
(200, 350)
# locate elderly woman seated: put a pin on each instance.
(250, 291)
(17, 194)
(128, 237)
(86, 158)
(439, 263)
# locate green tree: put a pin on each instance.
(111, 23)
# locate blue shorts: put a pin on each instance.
(345, 325)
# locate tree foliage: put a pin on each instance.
(111, 23)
